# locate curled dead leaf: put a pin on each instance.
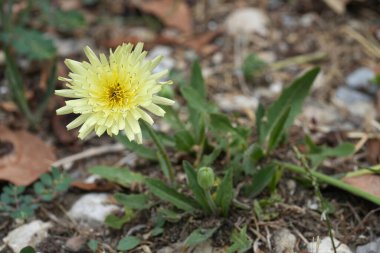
(373, 151)
(368, 183)
(173, 13)
(23, 157)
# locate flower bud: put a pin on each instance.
(206, 177)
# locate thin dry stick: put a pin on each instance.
(114, 148)
(372, 48)
(315, 184)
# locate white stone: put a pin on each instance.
(247, 21)
(284, 241)
(29, 234)
(373, 246)
(229, 103)
(323, 113)
(68, 47)
(92, 209)
(357, 103)
(325, 246)
(361, 79)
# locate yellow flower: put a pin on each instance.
(112, 95)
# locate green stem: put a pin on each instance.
(202, 141)
(210, 201)
(299, 59)
(200, 150)
(49, 91)
(318, 192)
(161, 150)
(17, 87)
(332, 181)
(364, 171)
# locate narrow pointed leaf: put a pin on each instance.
(225, 193)
(195, 187)
(169, 194)
(197, 81)
(293, 96)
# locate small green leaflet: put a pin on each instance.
(28, 249)
(117, 222)
(133, 201)
(240, 241)
(128, 243)
(30, 43)
(199, 235)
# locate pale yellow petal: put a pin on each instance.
(91, 56)
(155, 109)
(64, 110)
(162, 100)
(77, 122)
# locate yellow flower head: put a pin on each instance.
(112, 95)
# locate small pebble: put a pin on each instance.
(30, 234)
(92, 209)
(325, 246)
(284, 241)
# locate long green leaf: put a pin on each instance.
(260, 180)
(293, 96)
(171, 195)
(251, 157)
(277, 130)
(184, 140)
(51, 83)
(122, 176)
(197, 81)
(260, 113)
(240, 241)
(225, 192)
(195, 100)
(195, 187)
(139, 149)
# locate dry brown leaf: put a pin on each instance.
(100, 186)
(174, 13)
(373, 151)
(368, 183)
(23, 157)
(339, 6)
(202, 42)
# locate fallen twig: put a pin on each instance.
(114, 148)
